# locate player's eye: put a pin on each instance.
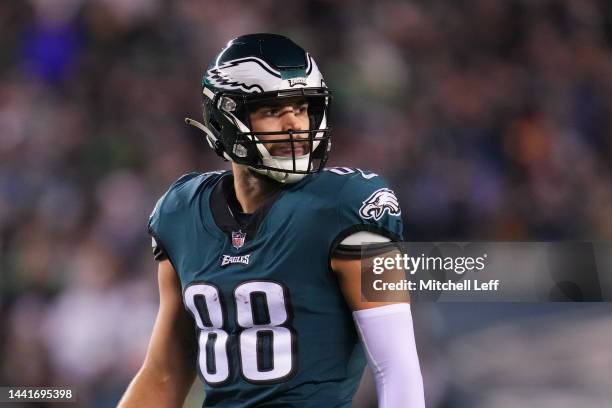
(271, 112)
(300, 108)
(277, 111)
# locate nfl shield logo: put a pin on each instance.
(238, 239)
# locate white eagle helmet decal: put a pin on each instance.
(254, 75)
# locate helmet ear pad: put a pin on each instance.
(237, 145)
(244, 151)
(317, 113)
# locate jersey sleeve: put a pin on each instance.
(159, 216)
(366, 204)
(159, 253)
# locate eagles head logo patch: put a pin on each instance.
(378, 202)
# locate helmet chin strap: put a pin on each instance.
(284, 163)
(281, 176)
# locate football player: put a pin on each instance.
(263, 261)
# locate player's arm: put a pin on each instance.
(387, 334)
(168, 371)
(348, 273)
(368, 211)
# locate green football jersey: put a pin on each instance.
(272, 325)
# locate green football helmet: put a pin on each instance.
(257, 70)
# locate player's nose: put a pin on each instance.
(292, 122)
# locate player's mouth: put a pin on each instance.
(284, 149)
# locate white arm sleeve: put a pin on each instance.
(388, 338)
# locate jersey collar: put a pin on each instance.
(227, 212)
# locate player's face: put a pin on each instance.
(287, 115)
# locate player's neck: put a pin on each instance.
(252, 190)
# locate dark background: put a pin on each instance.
(491, 120)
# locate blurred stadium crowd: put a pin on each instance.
(490, 118)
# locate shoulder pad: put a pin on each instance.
(334, 178)
(367, 203)
(181, 193)
(351, 172)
